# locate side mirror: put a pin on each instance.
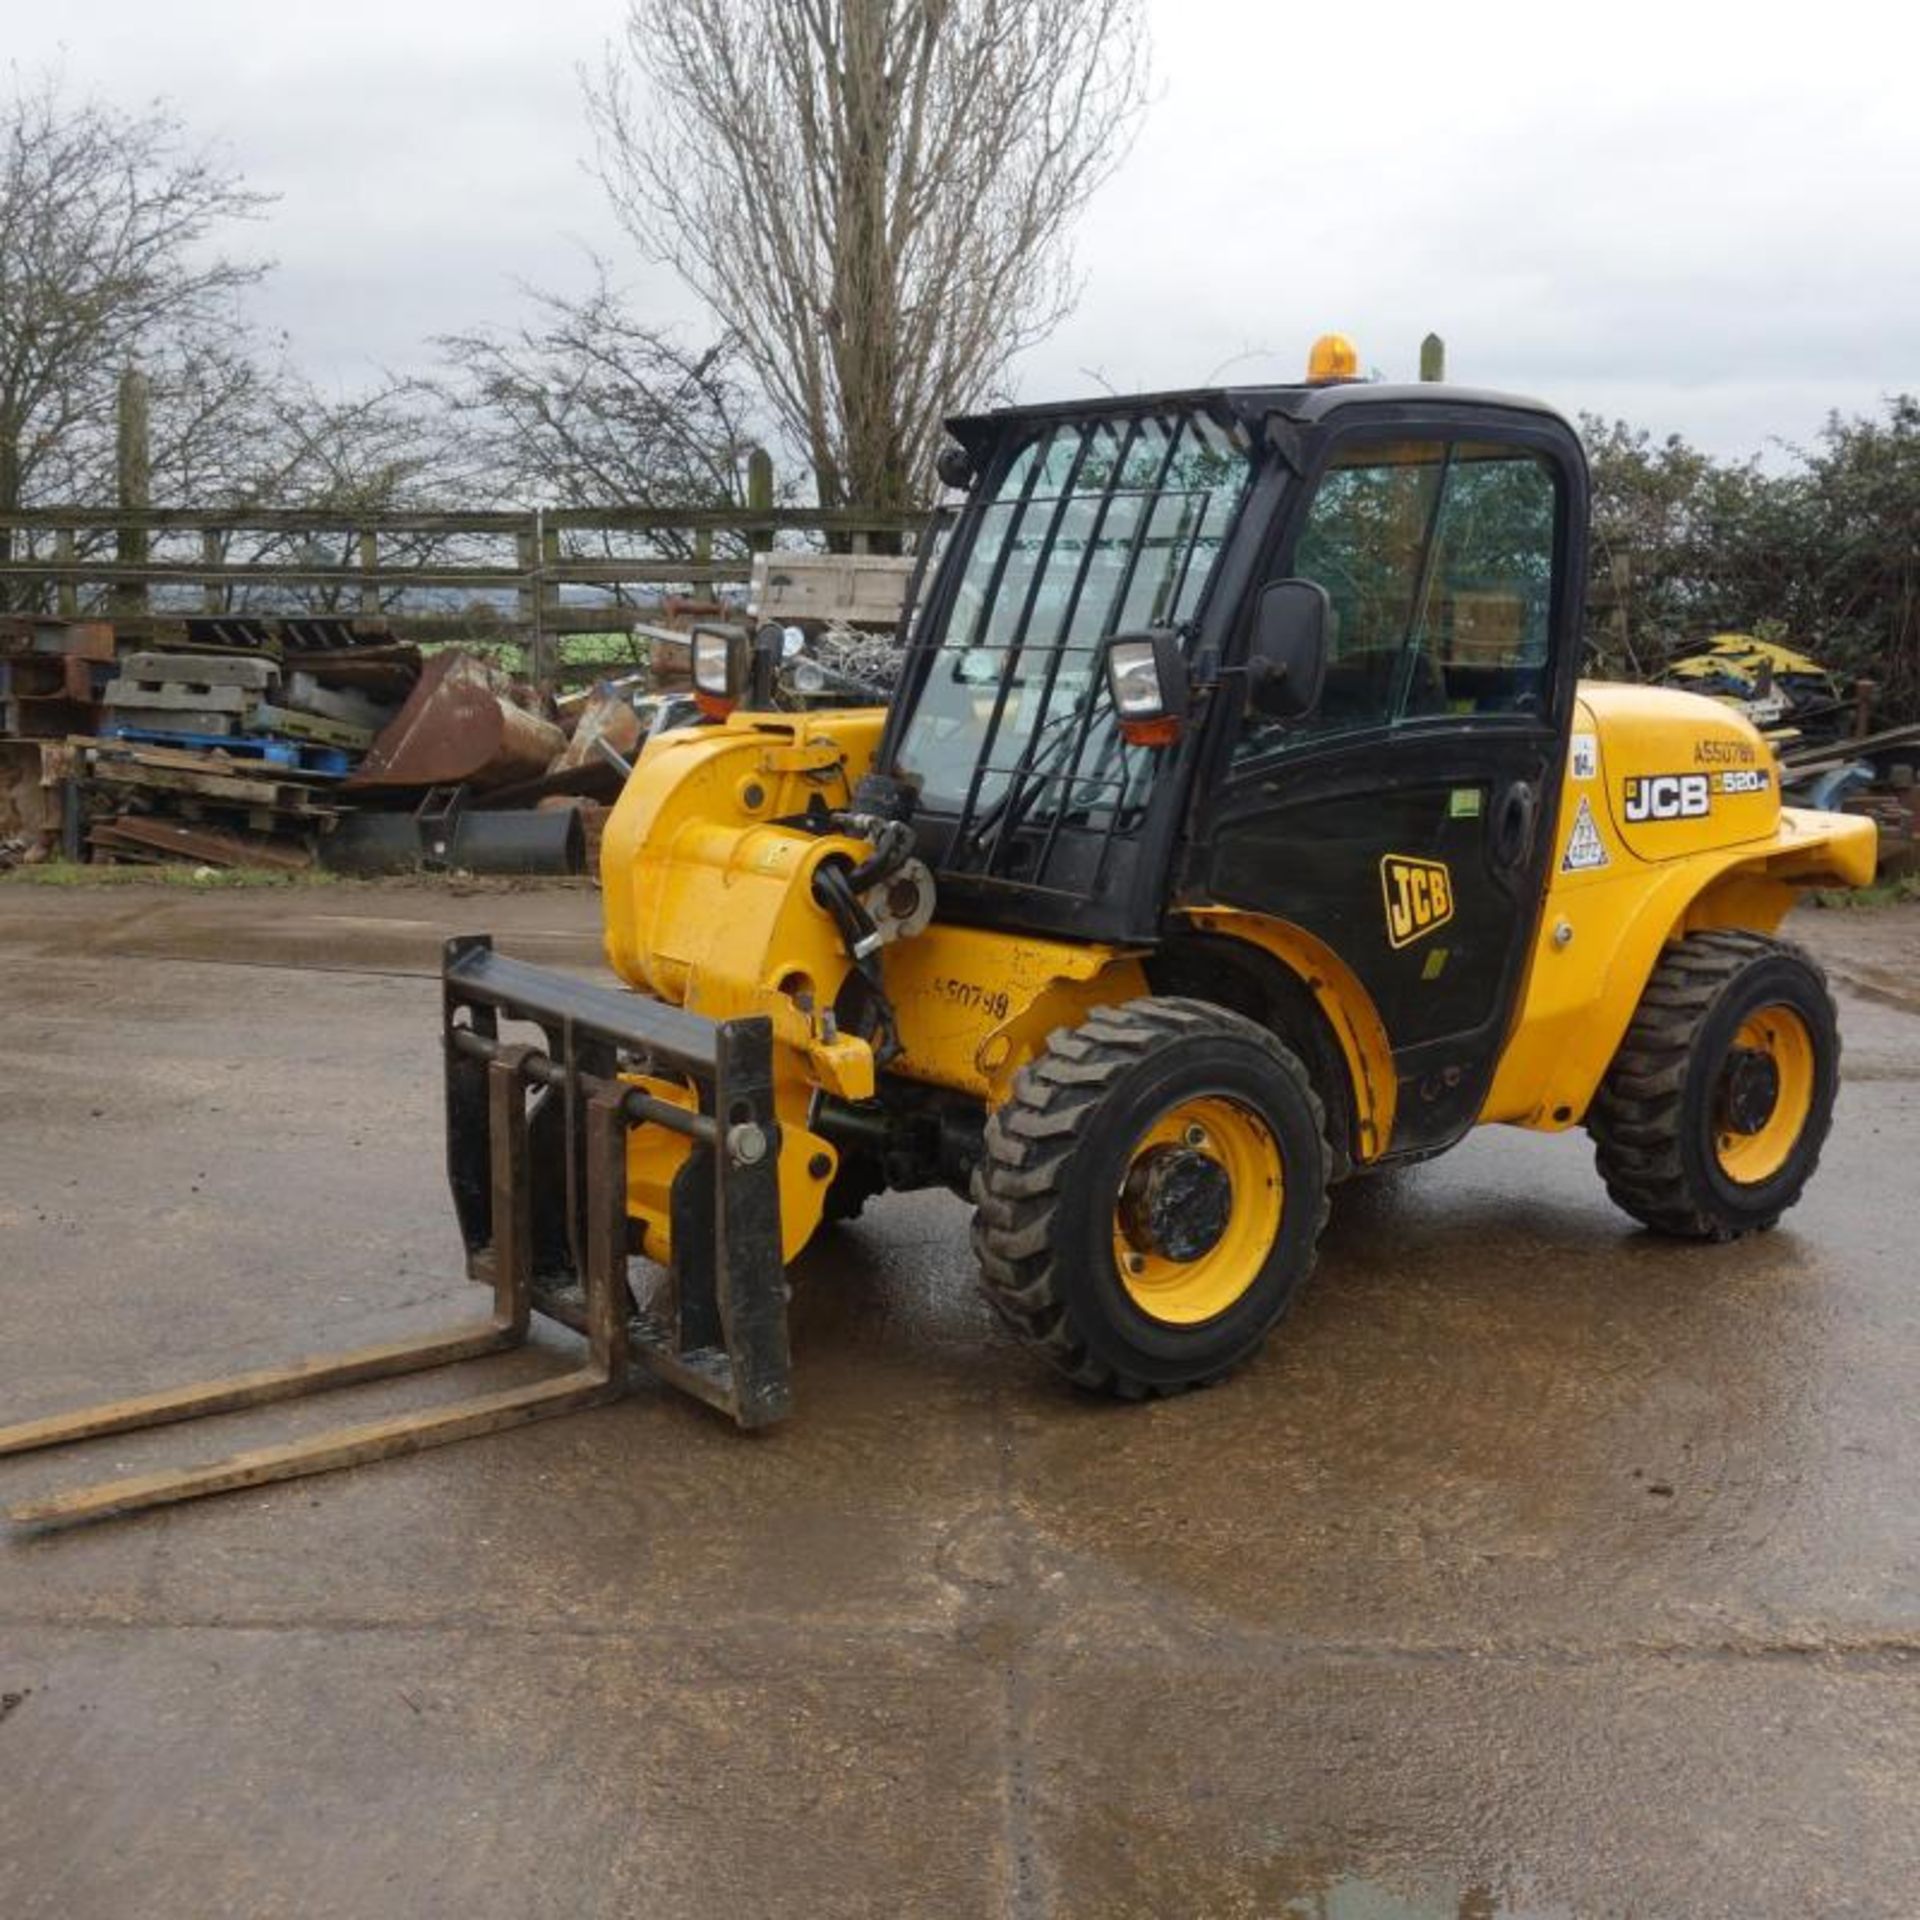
(1287, 662)
(954, 464)
(1147, 678)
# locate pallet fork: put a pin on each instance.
(536, 1156)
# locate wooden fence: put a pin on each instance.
(522, 579)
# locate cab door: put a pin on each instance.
(1406, 822)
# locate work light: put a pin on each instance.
(710, 660)
(720, 658)
(1135, 678)
(1147, 677)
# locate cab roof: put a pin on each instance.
(1303, 405)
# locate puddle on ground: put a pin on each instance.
(1348, 1897)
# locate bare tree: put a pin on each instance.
(105, 218)
(380, 450)
(875, 195)
(584, 405)
(211, 398)
(383, 449)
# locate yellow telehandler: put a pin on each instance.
(1239, 823)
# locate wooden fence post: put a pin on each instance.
(526, 563)
(9, 502)
(543, 661)
(133, 468)
(66, 598)
(213, 598)
(1433, 358)
(760, 498)
(369, 565)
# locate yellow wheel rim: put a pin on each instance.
(1773, 1046)
(1186, 1250)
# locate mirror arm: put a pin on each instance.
(1204, 671)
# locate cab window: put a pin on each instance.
(1437, 558)
(1488, 615)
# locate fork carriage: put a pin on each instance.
(537, 1158)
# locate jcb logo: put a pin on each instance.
(1419, 896)
(1668, 796)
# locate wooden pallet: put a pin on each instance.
(207, 777)
(308, 757)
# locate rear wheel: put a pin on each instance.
(1151, 1194)
(1711, 1119)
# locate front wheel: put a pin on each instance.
(1711, 1119)
(1151, 1195)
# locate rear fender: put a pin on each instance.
(1605, 927)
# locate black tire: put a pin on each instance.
(1660, 1120)
(1056, 1154)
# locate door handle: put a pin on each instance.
(1513, 822)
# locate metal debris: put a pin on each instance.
(461, 726)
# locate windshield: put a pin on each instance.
(1097, 527)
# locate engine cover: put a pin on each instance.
(1682, 774)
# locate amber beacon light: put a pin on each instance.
(1334, 357)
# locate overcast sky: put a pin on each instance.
(1701, 217)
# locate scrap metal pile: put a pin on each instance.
(52, 674)
(1830, 758)
(284, 742)
(222, 742)
(1876, 774)
(281, 743)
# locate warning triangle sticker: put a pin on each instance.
(1585, 848)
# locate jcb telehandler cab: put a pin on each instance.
(1240, 822)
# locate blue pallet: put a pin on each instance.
(302, 755)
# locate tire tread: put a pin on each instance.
(1029, 1141)
(1637, 1117)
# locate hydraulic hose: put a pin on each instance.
(893, 846)
(833, 888)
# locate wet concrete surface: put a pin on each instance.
(1538, 1567)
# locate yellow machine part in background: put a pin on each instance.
(1744, 653)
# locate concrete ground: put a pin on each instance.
(1539, 1568)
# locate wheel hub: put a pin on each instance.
(1198, 1209)
(1749, 1090)
(1176, 1203)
